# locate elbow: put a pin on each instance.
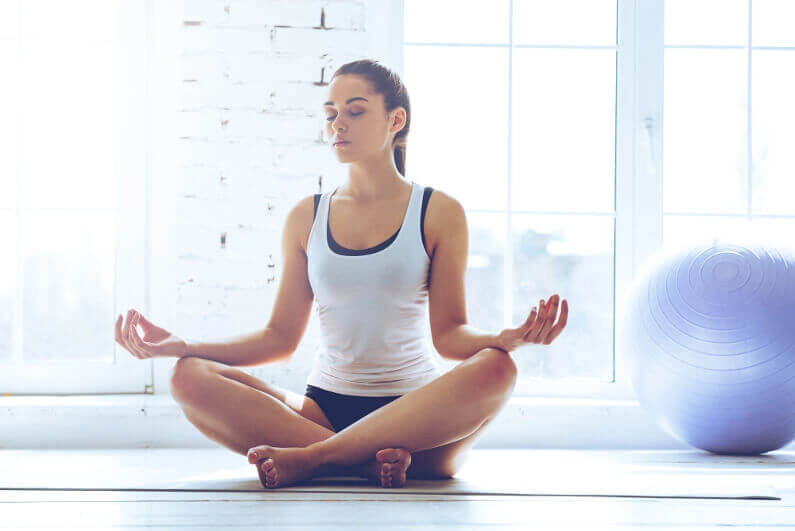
(438, 344)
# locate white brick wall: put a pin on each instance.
(252, 144)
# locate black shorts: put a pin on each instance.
(344, 410)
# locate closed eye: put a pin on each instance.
(352, 114)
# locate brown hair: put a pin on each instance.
(388, 84)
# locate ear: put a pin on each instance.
(399, 121)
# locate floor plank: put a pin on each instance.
(285, 512)
(392, 510)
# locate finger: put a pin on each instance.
(117, 330)
(131, 335)
(543, 329)
(531, 319)
(125, 334)
(549, 319)
(144, 323)
(137, 342)
(561, 324)
(532, 334)
(553, 309)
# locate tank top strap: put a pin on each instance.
(413, 212)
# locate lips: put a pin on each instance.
(337, 143)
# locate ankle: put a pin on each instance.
(321, 456)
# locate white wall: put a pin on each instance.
(251, 144)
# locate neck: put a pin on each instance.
(371, 182)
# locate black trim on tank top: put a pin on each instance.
(425, 198)
(339, 249)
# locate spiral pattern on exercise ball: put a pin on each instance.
(710, 333)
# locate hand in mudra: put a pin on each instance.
(540, 326)
(155, 343)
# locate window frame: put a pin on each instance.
(132, 250)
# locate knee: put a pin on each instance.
(499, 368)
(184, 377)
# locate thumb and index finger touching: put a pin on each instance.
(126, 332)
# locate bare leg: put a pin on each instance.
(450, 408)
(239, 411)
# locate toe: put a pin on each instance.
(257, 453)
(387, 455)
(267, 465)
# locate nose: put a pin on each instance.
(335, 123)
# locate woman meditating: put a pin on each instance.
(372, 253)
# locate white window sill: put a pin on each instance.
(151, 421)
(89, 406)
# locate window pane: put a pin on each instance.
(485, 270)
(682, 229)
(69, 137)
(69, 103)
(485, 296)
(68, 288)
(459, 133)
(563, 130)
(773, 22)
(705, 135)
(8, 159)
(8, 285)
(58, 21)
(9, 96)
(572, 22)
(571, 256)
(773, 136)
(713, 22)
(459, 21)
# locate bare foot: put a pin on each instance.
(281, 467)
(393, 463)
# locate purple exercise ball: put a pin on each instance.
(709, 330)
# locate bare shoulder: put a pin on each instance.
(444, 215)
(300, 219)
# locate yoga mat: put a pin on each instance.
(636, 474)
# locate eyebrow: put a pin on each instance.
(347, 102)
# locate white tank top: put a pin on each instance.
(373, 308)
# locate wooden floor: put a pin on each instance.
(545, 490)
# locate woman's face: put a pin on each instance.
(356, 115)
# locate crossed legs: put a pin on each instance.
(438, 423)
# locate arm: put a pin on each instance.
(255, 348)
(291, 310)
(452, 336)
(463, 341)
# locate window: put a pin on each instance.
(522, 129)
(580, 135)
(72, 194)
(728, 159)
